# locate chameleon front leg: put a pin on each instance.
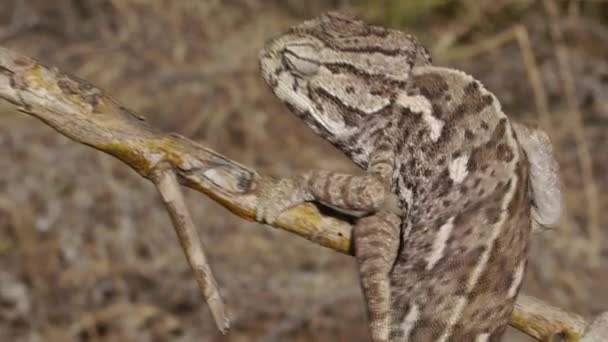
(376, 237)
(349, 193)
(376, 240)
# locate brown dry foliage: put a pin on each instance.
(86, 247)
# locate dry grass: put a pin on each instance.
(86, 248)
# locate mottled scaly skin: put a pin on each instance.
(446, 202)
(463, 182)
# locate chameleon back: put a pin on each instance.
(462, 182)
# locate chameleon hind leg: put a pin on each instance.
(545, 185)
(375, 237)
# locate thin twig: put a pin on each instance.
(534, 77)
(83, 113)
(22, 19)
(168, 187)
(593, 243)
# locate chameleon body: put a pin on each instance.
(449, 194)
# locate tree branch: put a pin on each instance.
(85, 114)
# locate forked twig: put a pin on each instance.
(166, 182)
(82, 112)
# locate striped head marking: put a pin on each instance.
(336, 71)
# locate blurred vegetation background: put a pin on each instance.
(87, 252)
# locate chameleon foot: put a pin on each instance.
(277, 196)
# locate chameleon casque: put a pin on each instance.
(451, 189)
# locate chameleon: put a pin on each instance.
(450, 187)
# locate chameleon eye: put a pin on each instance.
(299, 65)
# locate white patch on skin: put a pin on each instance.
(410, 320)
(518, 277)
(439, 244)
(407, 194)
(482, 337)
(421, 104)
(458, 169)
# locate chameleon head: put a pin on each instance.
(336, 71)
